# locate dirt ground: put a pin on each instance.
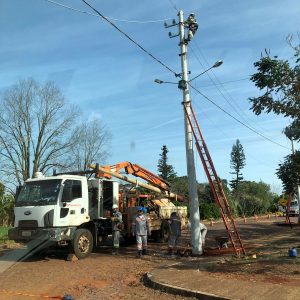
(103, 276)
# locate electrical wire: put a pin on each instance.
(218, 88)
(224, 82)
(236, 119)
(128, 37)
(224, 134)
(114, 19)
(230, 99)
(173, 5)
(168, 68)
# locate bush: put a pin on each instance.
(209, 210)
(3, 234)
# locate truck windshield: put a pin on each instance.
(44, 192)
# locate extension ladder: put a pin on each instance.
(214, 182)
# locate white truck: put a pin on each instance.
(74, 211)
(68, 210)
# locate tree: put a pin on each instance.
(255, 198)
(34, 124)
(6, 207)
(90, 142)
(279, 80)
(237, 163)
(165, 171)
(288, 172)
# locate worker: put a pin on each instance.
(140, 229)
(175, 225)
(192, 25)
(116, 228)
(203, 230)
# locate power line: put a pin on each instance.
(128, 37)
(218, 88)
(224, 133)
(168, 68)
(114, 19)
(230, 99)
(236, 119)
(224, 82)
(173, 5)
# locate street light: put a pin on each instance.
(217, 64)
(160, 81)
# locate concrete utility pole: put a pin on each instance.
(191, 172)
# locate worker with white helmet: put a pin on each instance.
(140, 229)
(116, 228)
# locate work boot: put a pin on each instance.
(139, 254)
(170, 251)
(144, 252)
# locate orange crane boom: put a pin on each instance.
(138, 171)
(156, 183)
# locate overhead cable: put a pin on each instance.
(128, 37)
(173, 5)
(236, 119)
(114, 19)
(227, 96)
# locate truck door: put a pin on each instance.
(74, 203)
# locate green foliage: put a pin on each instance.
(3, 234)
(180, 186)
(165, 171)
(237, 163)
(280, 82)
(255, 198)
(288, 172)
(6, 207)
(209, 211)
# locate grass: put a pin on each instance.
(3, 234)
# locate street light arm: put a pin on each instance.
(215, 65)
(160, 81)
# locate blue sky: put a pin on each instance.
(107, 76)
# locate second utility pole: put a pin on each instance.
(191, 172)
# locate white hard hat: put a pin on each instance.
(115, 206)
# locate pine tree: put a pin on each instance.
(237, 163)
(165, 171)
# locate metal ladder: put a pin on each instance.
(214, 182)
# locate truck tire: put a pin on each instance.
(82, 243)
(165, 231)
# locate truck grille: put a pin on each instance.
(28, 224)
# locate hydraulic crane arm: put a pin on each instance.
(138, 171)
(157, 184)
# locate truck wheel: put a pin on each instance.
(82, 243)
(165, 231)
